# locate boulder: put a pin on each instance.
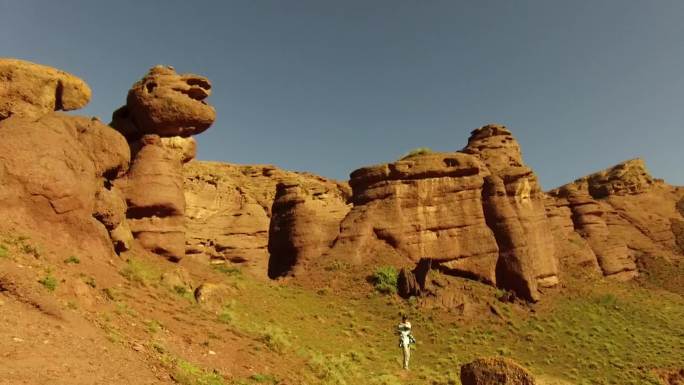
(495, 371)
(32, 90)
(167, 104)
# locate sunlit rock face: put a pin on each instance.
(166, 104)
(57, 170)
(515, 211)
(621, 213)
(162, 110)
(32, 90)
(477, 213)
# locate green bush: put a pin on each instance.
(140, 272)
(416, 152)
(385, 279)
(49, 282)
(4, 253)
(72, 259)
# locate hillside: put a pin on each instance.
(124, 260)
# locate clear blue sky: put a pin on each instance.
(330, 86)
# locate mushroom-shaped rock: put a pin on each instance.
(33, 90)
(495, 371)
(167, 104)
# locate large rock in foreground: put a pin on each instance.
(33, 90)
(495, 371)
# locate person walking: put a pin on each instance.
(405, 339)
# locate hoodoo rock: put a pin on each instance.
(33, 90)
(154, 195)
(167, 104)
(162, 110)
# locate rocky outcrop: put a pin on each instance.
(478, 213)
(621, 213)
(427, 206)
(32, 90)
(304, 223)
(514, 210)
(495, 371)
(162, 110)
(229, 206)
(56, 173)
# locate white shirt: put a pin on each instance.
(404, 329)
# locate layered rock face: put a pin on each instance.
(229, 207)
(428, 206)
(620, 212)
(514, 210)
(478, 213)
(57, 171)
(304, 224)
(163, 109)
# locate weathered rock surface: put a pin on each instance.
(495, 371)
(229, 210)
(478, 213)
(32, 90)
(305, 221)
(55, 172)
(514, 210)
(427, 206)
(621, 213)
(162, 110)
(166, 104)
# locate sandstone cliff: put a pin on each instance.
(477, 213)
(621, 213)
(162, 111)
(57, 171)
(229, 210)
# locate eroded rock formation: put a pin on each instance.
(514, 210)
(621, 213)
(162, 110)
(427, 206)
(478, 213)
(304, 224)
(229, 207)
(57, 171)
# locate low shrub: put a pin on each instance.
(385, 279)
